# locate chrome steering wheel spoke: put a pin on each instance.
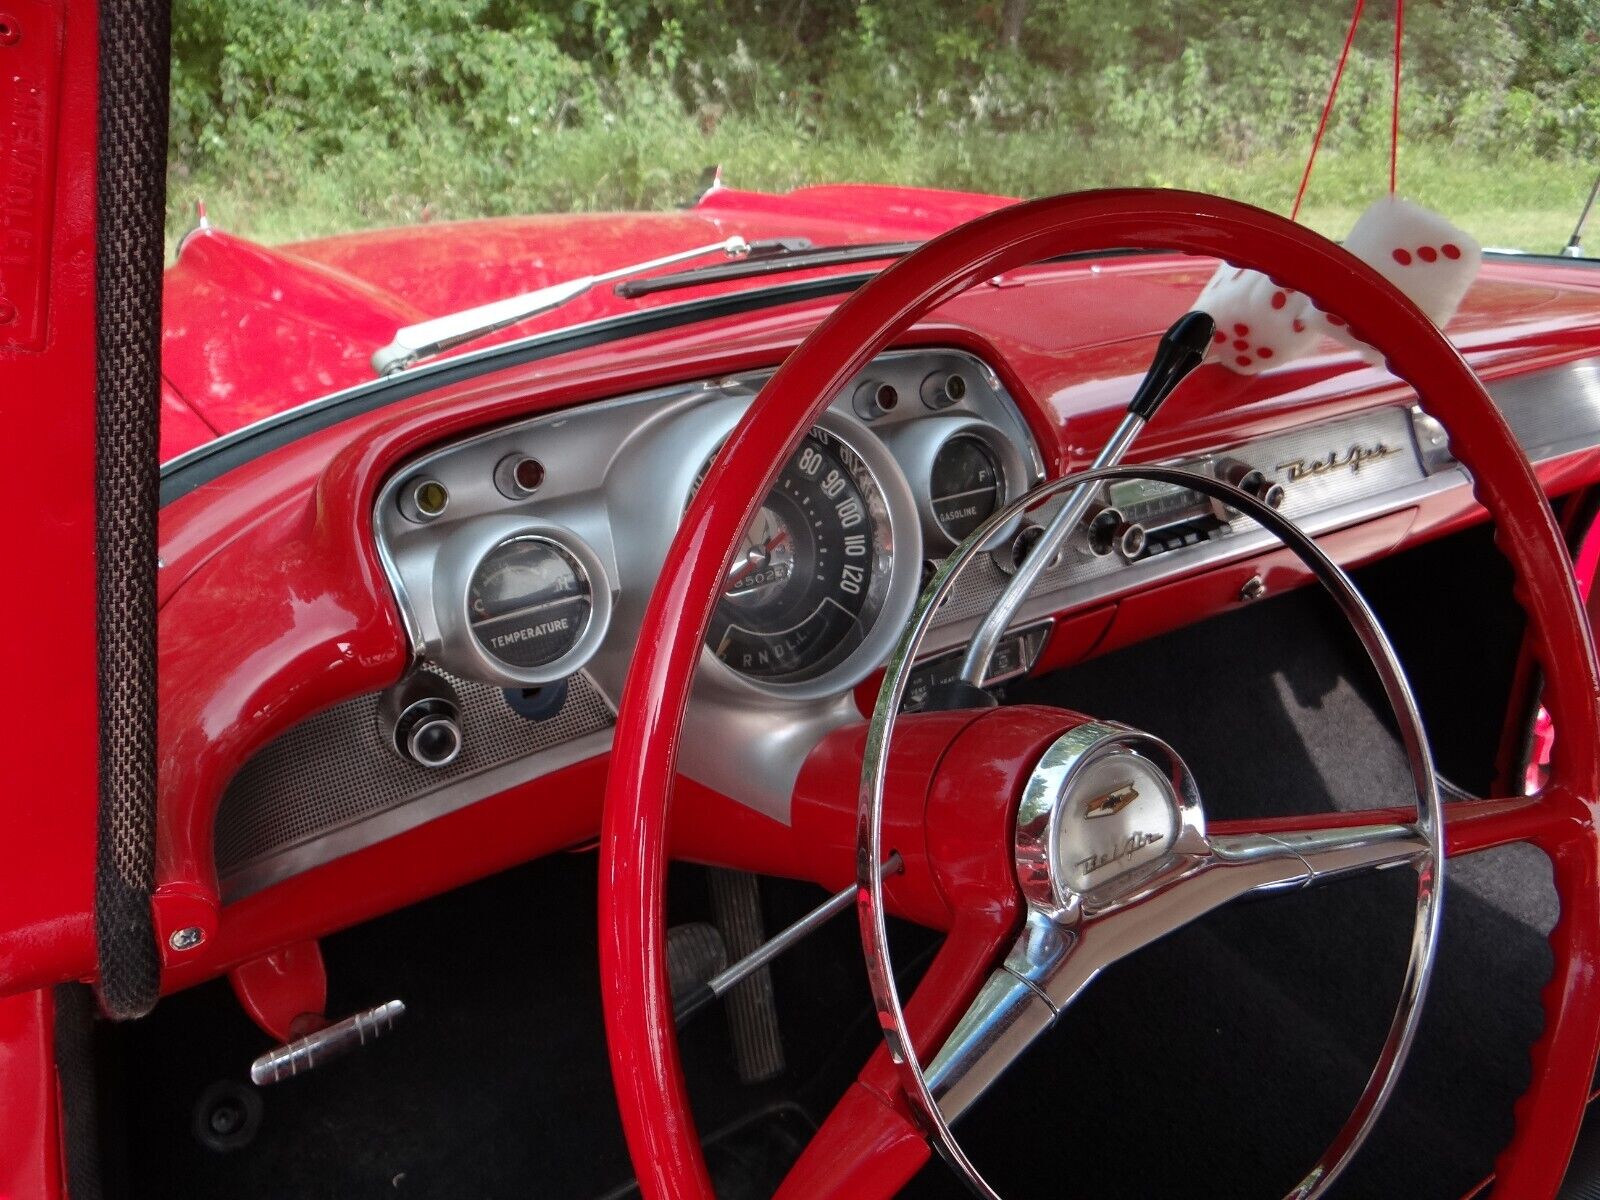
(1323, 854)
(1112, 854)
(1056, 957)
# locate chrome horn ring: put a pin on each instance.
(1428, 828)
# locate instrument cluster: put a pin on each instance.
(523, 556)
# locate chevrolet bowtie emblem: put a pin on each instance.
(1111, 803)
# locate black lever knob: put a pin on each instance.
(1181, 348)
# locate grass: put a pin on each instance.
(653, 162)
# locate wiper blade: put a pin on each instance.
(427, 338)
(766, 259)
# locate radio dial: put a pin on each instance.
(1250, 479)
(1109, 532)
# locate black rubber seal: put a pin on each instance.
(129, 249)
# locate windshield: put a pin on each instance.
(589, 129)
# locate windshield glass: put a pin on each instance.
(588, 128)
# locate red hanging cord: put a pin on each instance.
(1394, 117)
(1327, 107)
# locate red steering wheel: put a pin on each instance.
(871, 1146)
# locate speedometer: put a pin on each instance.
(811, 573)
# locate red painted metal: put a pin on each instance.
(645, 1067)
(250, 331)
(47, 338)
(278, 553)
(47, 231)
(285, 992)
(30, 1133)
(30, 60)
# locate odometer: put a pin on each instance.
(811, 573)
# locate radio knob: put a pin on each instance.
(1109, 532)
(1250, 479)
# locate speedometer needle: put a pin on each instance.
(756, 556)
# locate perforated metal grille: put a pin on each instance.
(335, 770)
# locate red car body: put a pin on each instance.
(273, 603)
(251, 330)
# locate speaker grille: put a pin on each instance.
(334, 771)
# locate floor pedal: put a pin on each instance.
(322, 1045)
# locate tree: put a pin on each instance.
(1011, 19)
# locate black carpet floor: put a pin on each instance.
(1215, 1063)
(1221, 1060)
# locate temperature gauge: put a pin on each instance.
(529, 602)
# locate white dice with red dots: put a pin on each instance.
(1259, 323)
(1418, 251)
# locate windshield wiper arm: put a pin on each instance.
(427, 338)
(776, 260)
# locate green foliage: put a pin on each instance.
(306, 116)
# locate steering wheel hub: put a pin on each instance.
(1106, 809)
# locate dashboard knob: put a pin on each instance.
(420, 719)
(1011, 555)
(1250, 479)
(1109, 532)
(944, 388)
(874, 398)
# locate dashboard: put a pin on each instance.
(521, 560)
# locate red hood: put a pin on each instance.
(250, 331)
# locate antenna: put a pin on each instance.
(1574, 246)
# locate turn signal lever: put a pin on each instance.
(1180, 351)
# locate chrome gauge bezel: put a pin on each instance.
(459, 559)
(917, 444)
(905, 556)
